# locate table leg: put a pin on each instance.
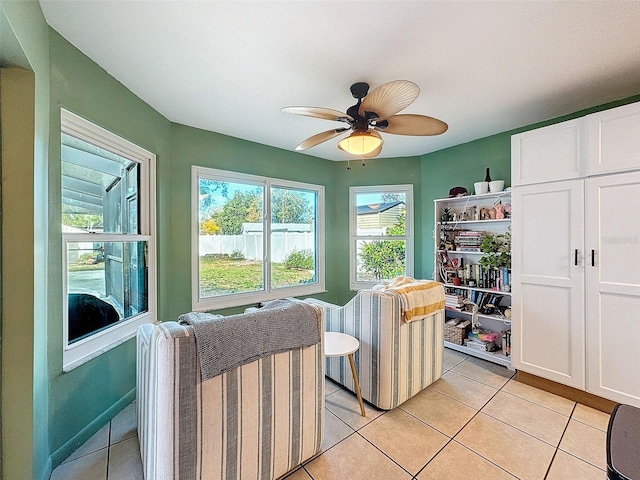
(357, 383)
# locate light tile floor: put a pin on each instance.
(476, 422)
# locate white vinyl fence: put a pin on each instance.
(250, 244)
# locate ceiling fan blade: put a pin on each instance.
(320, 137)
(409, 124)
(390, 98)
(319, 112)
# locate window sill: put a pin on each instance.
(240, 300)
(91, 347)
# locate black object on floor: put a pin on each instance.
(623, 443)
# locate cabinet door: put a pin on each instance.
(546, 154)
(548, 281)
(613, 287)
(614, 140)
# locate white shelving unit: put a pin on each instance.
(472, 214)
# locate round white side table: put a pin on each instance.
(338, 345)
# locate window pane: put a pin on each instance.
(380, 260)
(293, 237)
(231, 258)
(107, 284)
(380, 213)
(99, 189)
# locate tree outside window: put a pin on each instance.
(381, 245)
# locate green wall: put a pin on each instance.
(191, 146)
(61, 411)
(84, 399)
(387, 171)
(461, 165)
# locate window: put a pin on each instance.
(381, 230)
(254, 239)
(108, 227)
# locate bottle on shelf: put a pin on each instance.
(487, 177)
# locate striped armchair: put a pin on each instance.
(257, 421)
(396, 359)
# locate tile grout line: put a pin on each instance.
(538, 404)
(560, 441)
(463, 426)
(109, 451)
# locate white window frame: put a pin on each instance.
(239, 299)
(83, 350)
(407, 189)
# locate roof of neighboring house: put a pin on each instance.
(377, 207)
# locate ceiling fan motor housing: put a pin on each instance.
(359, 90)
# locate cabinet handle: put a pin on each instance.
(575, 257)
(593, 258)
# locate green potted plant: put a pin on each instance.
(497, 250)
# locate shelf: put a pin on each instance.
(501, 220)
(495, 357)
(505, 320)
(477, 289)
(466, 252)
(471, 198)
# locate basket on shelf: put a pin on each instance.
(455, 330)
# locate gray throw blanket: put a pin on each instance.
(225, 343)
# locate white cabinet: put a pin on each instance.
(576, 254)
(547, 154)
(614, 140)
(613, 287)
(461, 225)
(548, 281)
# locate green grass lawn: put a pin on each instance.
(225, 275)
(82, 267)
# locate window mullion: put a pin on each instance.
(266, 240)
(105, 237)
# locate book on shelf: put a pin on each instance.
(453, 300)
(481, 345)
(484, 335)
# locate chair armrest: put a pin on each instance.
(321, 303)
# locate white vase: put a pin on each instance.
(481, 187)
(496, 186)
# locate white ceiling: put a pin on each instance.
(483, 67)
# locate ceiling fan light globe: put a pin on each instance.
(360, 143)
